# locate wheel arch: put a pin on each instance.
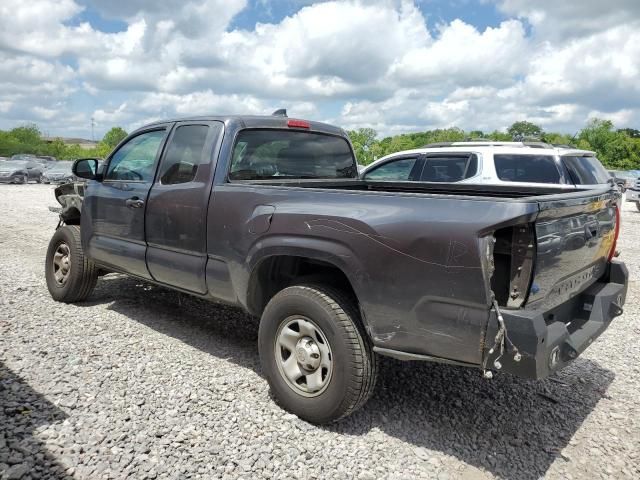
(274, 268)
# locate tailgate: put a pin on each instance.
(574, 237)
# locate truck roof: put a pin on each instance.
(256, 121)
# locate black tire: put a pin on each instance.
(354, 369)
(82, 273)
(638, 206)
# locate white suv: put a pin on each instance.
(491, 163)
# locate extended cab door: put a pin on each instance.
(176, 216)
(113, 211)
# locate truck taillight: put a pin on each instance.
(615, 234)
(513, 259)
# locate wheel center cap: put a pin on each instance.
(308, 353)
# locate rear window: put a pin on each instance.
(268, 154)
(526, 168)
(585, 170)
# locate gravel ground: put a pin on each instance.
(144, 382)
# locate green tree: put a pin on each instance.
(114, 136)
(615, 149)
(558, 138)
(363, 140)
(498, 136)
(27, 134)
(9, 144)
(524, 129)
(56, 148)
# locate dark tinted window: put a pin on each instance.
(398, 170)
(585, 170)
(527, 168)
(135, 160)
(267, 154)
(184, 154)
(449, 169)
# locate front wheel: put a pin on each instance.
(70, 275)
(315, 354)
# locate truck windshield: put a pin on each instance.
(585, 170)
(269, 154)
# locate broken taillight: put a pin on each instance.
(615, 234)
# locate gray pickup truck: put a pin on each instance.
(268, 213)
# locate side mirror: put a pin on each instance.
(86, 168)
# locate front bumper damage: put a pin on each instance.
(546, 341)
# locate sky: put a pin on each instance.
(397, 66)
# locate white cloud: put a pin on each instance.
(462, 55)
(357, 63)
(558, 20)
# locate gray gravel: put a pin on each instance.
(144, 382)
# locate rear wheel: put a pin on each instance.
(315, 354)
(70, 275)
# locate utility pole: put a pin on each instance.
(93, 124)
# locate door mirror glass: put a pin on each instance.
(86, 168)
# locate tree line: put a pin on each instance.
(617, 149)
(28, 139)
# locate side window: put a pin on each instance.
(134, 161)
(184, 154)
(398, 170)
(527, 168)
(449, 169)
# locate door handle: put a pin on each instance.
(134, 202)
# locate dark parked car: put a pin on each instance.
(268, 213)
(47, 161)
(20, 171)
(59, 173)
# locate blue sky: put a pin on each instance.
(480, 14)
(392, 65)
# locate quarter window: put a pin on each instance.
(134, 161)
(527, 168)
(185, 153)
(585, 170)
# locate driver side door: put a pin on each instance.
(114, 209)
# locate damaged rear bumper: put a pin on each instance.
(549, 340)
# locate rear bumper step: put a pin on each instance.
(549, 340)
